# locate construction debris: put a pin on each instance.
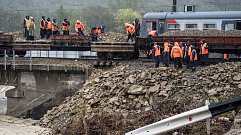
(132, 93)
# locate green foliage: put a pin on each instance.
(96, 15)
(124, 4)
(125, 16)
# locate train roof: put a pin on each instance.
(194, 15)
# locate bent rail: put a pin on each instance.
(187, 118)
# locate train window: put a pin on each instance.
(150, 26)
(209, 26)
(191, 26)
(229, 26)
(173, 27)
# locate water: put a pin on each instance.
(3, 99)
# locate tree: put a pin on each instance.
(115, 5)
(125, 16)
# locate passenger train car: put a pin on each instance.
(168, 21)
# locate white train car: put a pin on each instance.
(168, 21)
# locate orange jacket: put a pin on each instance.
(31, 27)
(130, 29)
(43, 23)
(153, 33)
(54, 27)
(26, 22)
(191, 56)
(65, 28)
(49, 25)
(166, 47)
(157, 50)
(225, 56)
(176, 51)
(203, 50)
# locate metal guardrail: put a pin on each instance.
(187, 118)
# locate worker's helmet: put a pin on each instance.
(126, 24)
(54, 19)
(203, 40)
(188, 43)
(43, 17)
(65, 19)
(48, 19)
(27, 17)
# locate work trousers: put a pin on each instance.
(26, 32)
(42, 32)
(177, 63)
(204, 59)
(129, 36)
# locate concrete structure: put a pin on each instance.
(40, 89)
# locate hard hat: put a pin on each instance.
(203, 40)
(126, 24)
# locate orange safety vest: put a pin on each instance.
(225, 56)
(157, 51)
(49, 25)
(98, 31)
(203, 50)
(65, 28)
(191, 56)
(130, 29)
(176, 52)
(153, 33)
(166, 49)
(41, 25)
(26, 22)
(31, 27)
(54, 28)
(188, 53)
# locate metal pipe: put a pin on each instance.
(5, 60)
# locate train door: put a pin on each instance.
(238, 25)
(161, 28)
(228, 25)
(147, 26)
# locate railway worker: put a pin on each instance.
(31, 27)
(193, 58)
(150, 35)
(204, 52)
(48, 28)
(93, 33)
(187, 53)
(182, 47)
(42, 27)
(79, 28)
(156, 54)
(225, 57)
(25, 24)
(130, 30)
(137, 25)
(165, 55)
(66, 27)
(55, 27)
(176, 53)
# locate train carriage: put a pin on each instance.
(168, 21)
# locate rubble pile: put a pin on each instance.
(111, 37)
(132, 92)
(210, 33)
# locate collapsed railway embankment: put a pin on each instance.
(133, 95)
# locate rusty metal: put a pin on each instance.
(6, 38)
(112, 48)
(28, 47)
(71, 38)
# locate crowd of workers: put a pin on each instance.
(178, 52)
(48, 28)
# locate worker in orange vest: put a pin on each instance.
(187, 53)
(66, 27)
(165, 55)
(48, 28)
(204, 52)
(42, 27)
(156, 54)
(25, 24)
(55, 27)
(225, 57)
(176, 53)
(31, 28)
(130, 30)
(150, 35)
(79, 28)
(193, 58)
